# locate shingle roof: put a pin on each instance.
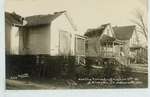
(37, 20)
(124, 32)
(13, 18)
(96, 32)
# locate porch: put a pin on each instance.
(110, 47)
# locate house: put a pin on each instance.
(140, 55)
(102, 43)
(51, 34)
(12, 23)
(46, 44)
(129, 35)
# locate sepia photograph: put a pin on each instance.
(76, 44)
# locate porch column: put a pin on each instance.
(113, 48)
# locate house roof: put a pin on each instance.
(13, 18)
(96, 32)
(124, 32)
(106, 38)
(38, 20)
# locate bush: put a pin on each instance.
(110, 71)
(95, 73)
(125, 72)
(81, 72)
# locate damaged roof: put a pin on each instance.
(13, 18)
(124, 32)
(38, 20)
(96, 32)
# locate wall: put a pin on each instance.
(108, 31)
(134, 39)
(79, 46)
(11, 39)
(35, 40)
(14, 39)
(64, 43)
(7, 37)
(60, 24)
(92, 47)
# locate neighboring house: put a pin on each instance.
(12, 23)
(102, 43)
(52, 34)
(128, 34)
(140, 55)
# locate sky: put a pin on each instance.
(85, 13)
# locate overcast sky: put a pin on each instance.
(85, 13)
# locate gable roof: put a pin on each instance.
(124, 32)
(96, 32)
(38, 20)
(13, 18)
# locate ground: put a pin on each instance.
(139, 76)
(70, 84)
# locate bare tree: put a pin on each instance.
(141, 23)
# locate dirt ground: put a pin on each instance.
(70, 84)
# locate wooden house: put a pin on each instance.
(47, 45)
(102, 43)
(140, 55)
(131, 48)
(12, 23)
(51, 34)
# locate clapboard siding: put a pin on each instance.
(64, 43)
(61, 27)
(36, 40)
(92, 46)
(7, 37)
(80, 45)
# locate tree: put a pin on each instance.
(141, 23)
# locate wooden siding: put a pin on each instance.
(92, 47)
(134, 39)
(79, 46)
(7, 37)
(64, 43)
(35, 40)
(11, 39)
(59, 26)
(14, 40)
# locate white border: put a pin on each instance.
(61, 93)
(2, 49)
